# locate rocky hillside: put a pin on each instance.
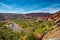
(54, 34)
(55, 17)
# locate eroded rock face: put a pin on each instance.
(15, 27)
(54, 39)
(53, 35)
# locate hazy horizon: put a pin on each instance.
(29, 12)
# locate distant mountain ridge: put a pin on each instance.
(46, 16)
(4, 16)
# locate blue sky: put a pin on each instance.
(27, 6)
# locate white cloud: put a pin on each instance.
(5, 5)
(51, 9)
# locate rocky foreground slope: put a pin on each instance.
(53, 35)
